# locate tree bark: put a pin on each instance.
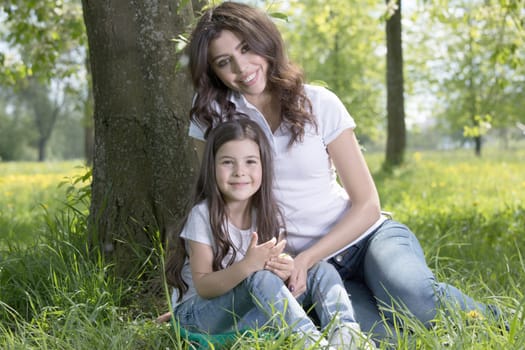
(89, 131)
(396, 129)
(143, 161)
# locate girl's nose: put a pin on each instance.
(238, 171)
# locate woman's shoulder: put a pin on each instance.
(319, 93)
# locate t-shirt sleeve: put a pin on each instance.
(333, 117)
(197, 227)
(196, 131)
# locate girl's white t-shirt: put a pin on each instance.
(198, 229)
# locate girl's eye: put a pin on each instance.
(227, 162)
(252, 161)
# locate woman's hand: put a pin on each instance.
(297, 280)
(282, 265)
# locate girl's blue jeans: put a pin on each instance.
(388, 269)
(263, 297)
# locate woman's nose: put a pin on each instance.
(239, 65)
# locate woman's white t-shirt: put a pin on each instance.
(306, 182)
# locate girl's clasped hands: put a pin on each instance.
(270, 256)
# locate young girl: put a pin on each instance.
(219, 265)
(238, 64)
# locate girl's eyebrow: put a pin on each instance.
(236, 48)
(226, 156)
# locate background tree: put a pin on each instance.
(46, 42)
(39, 121)
(16, 129)
(470, 66)
(45, 108)
(143, 162)
(396, 135)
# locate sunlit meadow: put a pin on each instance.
(27, 191)
(468, 212)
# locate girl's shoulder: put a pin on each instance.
(199, 211)
(197, 226)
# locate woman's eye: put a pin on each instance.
(223, 62)
(245, 48)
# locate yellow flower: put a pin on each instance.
(475, 315)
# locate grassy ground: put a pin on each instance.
(468, 213)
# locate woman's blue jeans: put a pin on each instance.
(388, 269)
(263, 299)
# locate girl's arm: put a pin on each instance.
(355, 176)
(210, 284)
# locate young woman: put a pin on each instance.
(238, 65)
(227, 258)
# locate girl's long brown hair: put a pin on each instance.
(285, 80)
(269, 217)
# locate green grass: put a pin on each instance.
(468, 213)
(28, 190)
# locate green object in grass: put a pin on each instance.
(206, 341)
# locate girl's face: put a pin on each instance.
(238, 170)
(237, 66)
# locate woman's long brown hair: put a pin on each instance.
(269, 221)
(256, 28)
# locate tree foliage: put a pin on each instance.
(46, 47)
(340, 44)
(46, 38)
(472, 64)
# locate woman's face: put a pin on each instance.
(237, 66)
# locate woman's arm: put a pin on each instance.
(210, 284)
(355, 176)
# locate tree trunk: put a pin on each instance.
(143, 161)
(396, 130)
(477, 145)
(89, 132)
(42, 143)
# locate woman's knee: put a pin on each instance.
(395, 247)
